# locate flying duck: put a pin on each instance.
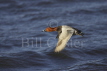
(64, 34)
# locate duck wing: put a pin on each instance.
(63, 39)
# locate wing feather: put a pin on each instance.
(63, 39)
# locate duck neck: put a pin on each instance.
(53, 29)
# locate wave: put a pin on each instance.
(44, 3)
(80, 0)
(7, 1)
(103, 11)
(22, 59)
(94, 65)
(5, 46)
(83, 12)
(98, 52)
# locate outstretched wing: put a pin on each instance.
(63, 39)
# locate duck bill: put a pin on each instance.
(43, 31)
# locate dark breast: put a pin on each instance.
(59, 30)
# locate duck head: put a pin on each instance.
(50, 29)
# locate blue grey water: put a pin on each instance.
(23, 47)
